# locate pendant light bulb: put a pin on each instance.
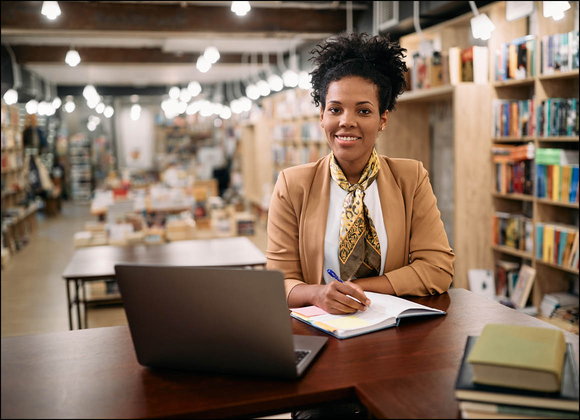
(50, 9)
(11, 97)
(72, 58)
(211, 54)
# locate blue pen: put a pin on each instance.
(334, 276)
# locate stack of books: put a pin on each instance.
(513, 371)
(553, 301)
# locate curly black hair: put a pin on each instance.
(374, 58)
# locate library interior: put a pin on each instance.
(171, 170)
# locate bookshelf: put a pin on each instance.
(18, 220)
(550, 277)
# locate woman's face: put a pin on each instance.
(351, 120)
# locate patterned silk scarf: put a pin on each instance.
(359, 250)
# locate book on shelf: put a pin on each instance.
(559, 52)
(557, 174)
(506, 275)
(466, 389)
(420, 77)
(385, 311)
(553, 301)
(517, 356)
(523, 286)
(513, 118)
(455, 66)
(557, 243)
(467, 64)
(515, 60)
(513, 231)
(481, 282)
(558, 117)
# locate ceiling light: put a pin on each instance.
(50, 9)
(93, 101)
(555, 9)
(174, 92)
(290, 78)
(202, 64)
(263, 87)
(185, 95)
(225, 113)
(93, 119)
(246, 103)
(193, 108)
(56, 103)
(32, 106)
(211, 54)
(72, 58)
(69, 106)
(135, 112)
(481, 24)
(253, 92)
(41, 109)
(91, 126)
(236, 106)
(49, 110)
(11, 97)
(89, 92)
(304, 80)
(109, 111)
(240, 8)
(275, 82)
(194, 89)
(181, 107)
(100, 108)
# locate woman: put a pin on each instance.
(371, 219)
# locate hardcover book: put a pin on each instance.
(565, 399)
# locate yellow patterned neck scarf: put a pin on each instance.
(359, 251)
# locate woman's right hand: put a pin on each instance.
(332, 297)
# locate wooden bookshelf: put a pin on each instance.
(427, 95)
(511, 196)
(549, 277)
(512, 251)
(559, 76)
(512, 139)
(528, 81)
(557, 203)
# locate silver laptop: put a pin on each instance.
(214, 320)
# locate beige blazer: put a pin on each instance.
(419, 259)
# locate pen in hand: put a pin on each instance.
(334, 276)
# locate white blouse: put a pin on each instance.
(332, 236)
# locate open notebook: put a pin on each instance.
(385, 311)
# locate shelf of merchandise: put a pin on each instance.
(80, 168)
(549, 277)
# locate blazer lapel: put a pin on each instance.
(313, 223)
(393, 207)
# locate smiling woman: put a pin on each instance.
(371, 218)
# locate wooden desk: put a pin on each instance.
(406, 371)
(98, 263)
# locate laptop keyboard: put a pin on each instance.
(300, 354)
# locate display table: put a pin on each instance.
(98, 263)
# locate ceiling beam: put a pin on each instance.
(22, 16)
(29, 54)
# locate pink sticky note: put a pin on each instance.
(309, 311)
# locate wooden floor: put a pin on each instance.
(33, 291)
